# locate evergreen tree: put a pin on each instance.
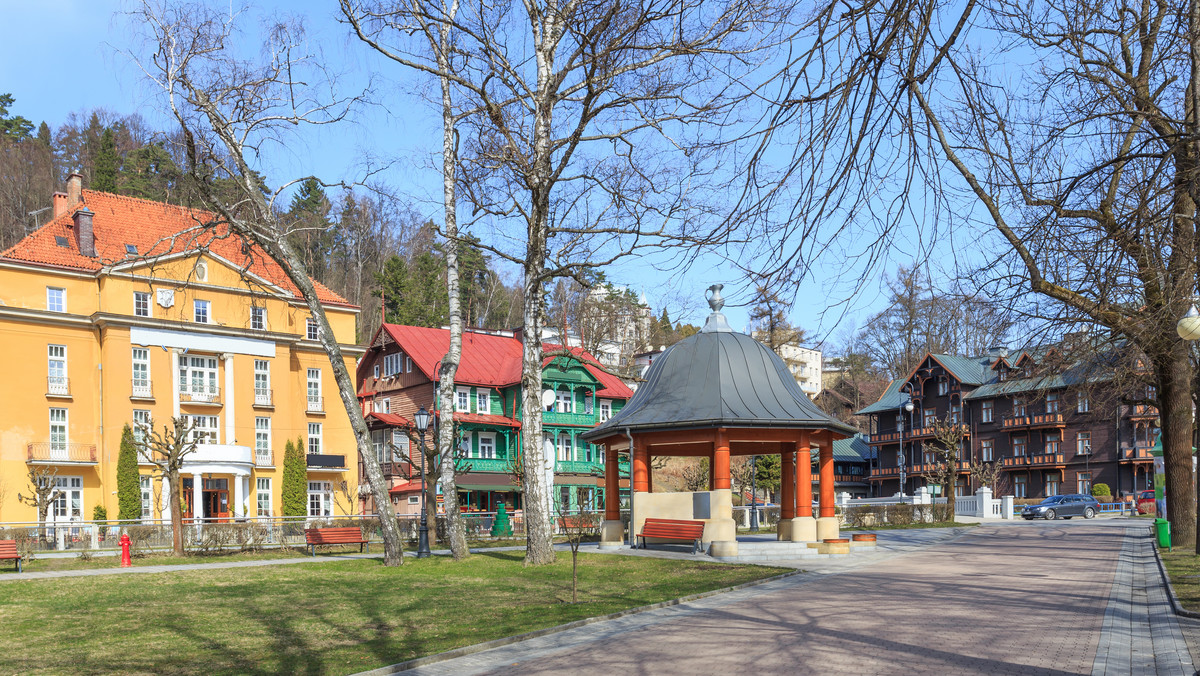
(312, 234)
(148, 172)
(415, 293)
(295, 479)
(43, 135)
(16, 127)
(129, 490)
(104, 173)
(769, 469)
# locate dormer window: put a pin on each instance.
(61, 241)
(131, 249)
(1002, 373)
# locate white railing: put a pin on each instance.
(315, 404)
(262, 397)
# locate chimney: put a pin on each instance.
(60, 204)
(84, 235)
(74, 189)
(997, 351)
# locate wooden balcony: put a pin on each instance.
(1047, 420)
(1142, 412)
(931, 432)
(52, 453)
(1132, 454)
(849, 478)
(1040, 460)
(885, 472)
(884, 438)
(1015, 422)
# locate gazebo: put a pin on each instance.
(714, 395)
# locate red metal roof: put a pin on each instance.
(156, 229)
(405, 487)
(390, 419)
(487, 359)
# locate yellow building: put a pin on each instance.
(125, 311)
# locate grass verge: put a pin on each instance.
(1184, 569)
(331, 617)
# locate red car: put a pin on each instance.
(1145, 502)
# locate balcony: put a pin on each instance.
(1055, 460)
(1142, 412)
(322, 461)
(316, 404)
(262, 398)
(220, 454)
(391, 469)
(263, 458)
(884, 438)
(1135, 454)
(1015, 422)
(578, 467)
(556, 418)
(58, 386)
(141, 389)
(202, 396)
(55, 453)
(885, 472)
(1047, 420)
(488, 465)
(848, 478)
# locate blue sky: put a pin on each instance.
(62, 56)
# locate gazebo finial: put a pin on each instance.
(715, 301)
(716, 321)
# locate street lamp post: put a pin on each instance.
(754, 494)
(908, 407)
(421, 418)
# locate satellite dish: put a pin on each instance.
(548, 397)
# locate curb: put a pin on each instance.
(519, 638)
(1162, 570)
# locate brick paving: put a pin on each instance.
(1034, 598)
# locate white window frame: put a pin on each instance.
(56, 370)
(462, 400)
(56, 299)
(258, 318)
(400, 445)
(414, 499)
(262, 441)
(146, 486)
(1083, 443)
(565, 448)
(60, 433)
(202, 311)
(141, 424)
(312, 330)
(987, 412)
(262, 382)
(262, 494)
(490, 452)
(1082, 403)
(483, 400)
(1052, 485)
(141, 303)
(1052, 402)
(605, 409)
(387, 405)
(314, 439)
(320, 499)
(67, 505)
(141, 371)
(199, 377)
(313, 389)
(565, 400)
(377, 371)
(408, 364)
(206, 429)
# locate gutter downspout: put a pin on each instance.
(632, 538)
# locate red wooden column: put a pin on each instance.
(825, 460)
(803, 477)
(720, 463)
(787, 489)
(640, 458)
(612, 485)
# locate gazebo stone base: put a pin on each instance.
(804, 529)
(783, 530)
(723, 548)
(827, 527)
(612, 534)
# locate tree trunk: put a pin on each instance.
(175, 485)
(1174, 376)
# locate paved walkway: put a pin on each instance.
(1052, 598)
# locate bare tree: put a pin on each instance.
(695, 475)
(43, 491)
(230, 110)
(167, 451)
(577, 527)
(947, 450)
(1082, 169)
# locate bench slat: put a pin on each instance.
(673, 529)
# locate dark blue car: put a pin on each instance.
(1065, 506)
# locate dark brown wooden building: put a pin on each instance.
(1051, 425)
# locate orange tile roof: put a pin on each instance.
(156, 229)
(390, 419)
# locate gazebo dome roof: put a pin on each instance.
(718, 378)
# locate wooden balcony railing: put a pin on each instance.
(1047, 420)
(1038, 460)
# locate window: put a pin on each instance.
(1052, 402)
(387, 406)
(929, 416)
(414, 499)
(320, 498)
(487, 446)
(314, 438)
(1051, 485)
(605, 410)
(589, 403)
(391, 364)
(141, 425)
(564, 447)
(204, 428)
(262, 441)
(564, 498)
(1019, 487)
(262, 382)
(566, 401)
(56, 369)
(1053, 440)
(58, 432)
(312, 330)
(198, 378)
(1151, 392)
(1083, 483)
(408, 366)
(377, 371)
(141, 303)
(943, 387)
(314, 390)
(1083, 443)
(462, 400)
(548, 395)
(1018, 446)
(987, 411)
(258, 318)
(483, 401)
(1002, 374)
(400, 445)
(68, 506)
(1018, 407)
(147, 486)
(987, 450)
(201, 311)
(955, 413)
(1082, 404)
(263, 496)
(56, 299)
(141, 372)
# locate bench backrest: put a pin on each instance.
(318, 536)
(679, 527)
(8, 549)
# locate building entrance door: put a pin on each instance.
(216, 499)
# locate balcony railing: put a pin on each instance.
(884, 437)
(262, 397)
(326, 461)
(1039, 460)
(1047, 420)
(50, 452)
(1013, 421)
(884, 472)
(263, 458)
(1143, 411)
(142, 389)
(201, 395)
(1131, 454)
(578, 467)
(488, 465)
(316, 404)
(556, 418)
(58, 386)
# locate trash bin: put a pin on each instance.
(1162, 528)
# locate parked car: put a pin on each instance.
(1145, 502)
(1065, 506)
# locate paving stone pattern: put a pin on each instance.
(1019, 599)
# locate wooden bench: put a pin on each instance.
(350, 535)
(673, 529)
(8, 550)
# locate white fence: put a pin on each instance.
(983, 506)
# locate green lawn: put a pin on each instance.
(330, 617)
(43, 564)
(1184, 568)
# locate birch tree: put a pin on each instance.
(231, 110)
(167, 451)
(1066, 131)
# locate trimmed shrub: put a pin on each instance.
(129, 489)
(1100, 489)
(295, 479)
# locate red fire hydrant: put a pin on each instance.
(126, 562)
